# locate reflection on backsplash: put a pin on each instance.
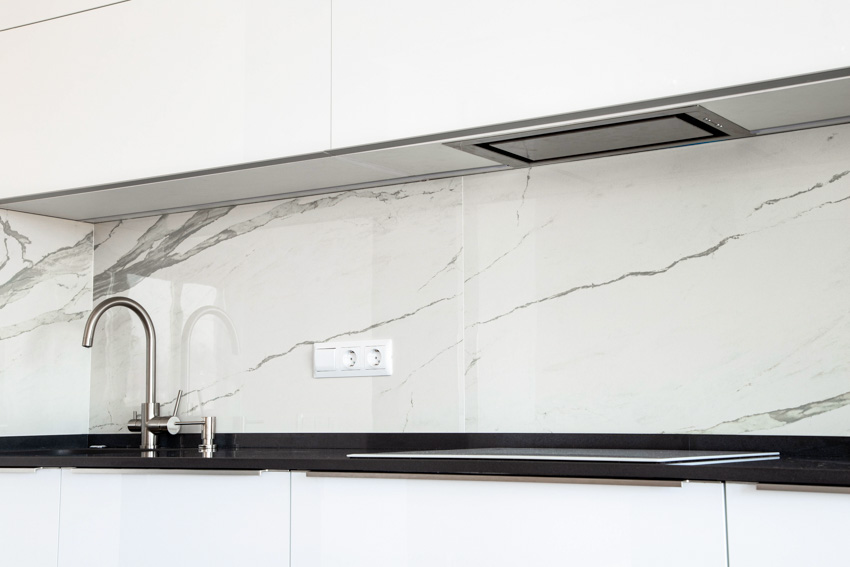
(206, 339)
(698, 289)
(282, 275)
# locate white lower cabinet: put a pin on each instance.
(786, 528)
(129, 518)
(423, 522)
(29, 517)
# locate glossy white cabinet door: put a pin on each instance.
(156, 87)
(411, 68)
(15, 13)
(401, 522)
(29, 517)
(189, 519)
(786, 529)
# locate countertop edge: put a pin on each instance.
(815, 461)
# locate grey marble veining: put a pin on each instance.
(381, 263)
(700, 289)
(45, 294)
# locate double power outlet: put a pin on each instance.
(353, 358)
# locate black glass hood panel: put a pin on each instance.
(658, 130)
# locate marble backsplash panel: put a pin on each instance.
(272, 278)
(702, 289)
(45, 296)
(697, 289)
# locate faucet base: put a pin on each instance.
(149, 413)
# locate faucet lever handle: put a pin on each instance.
(135, 424)
(177, 403)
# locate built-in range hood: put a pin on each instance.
(601, 138)
(759, 109)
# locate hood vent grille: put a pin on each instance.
(675, 127)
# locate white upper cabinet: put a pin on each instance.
(404, 69)
(155, 87)
(109, 94)
(15, 13)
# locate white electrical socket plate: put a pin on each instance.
(351, 359)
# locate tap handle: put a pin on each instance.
(177, 403)
(135, 424)
(165, 424)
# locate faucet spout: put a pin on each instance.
(149, 411)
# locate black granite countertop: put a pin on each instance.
(804, 460)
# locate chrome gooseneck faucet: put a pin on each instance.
(151, 424)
